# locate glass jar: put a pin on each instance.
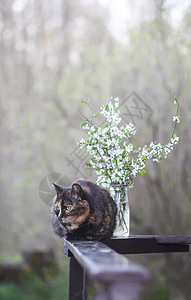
(120, 196)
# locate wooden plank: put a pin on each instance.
(173, 239)
(150, 244)
(169, 239)
(103, 264)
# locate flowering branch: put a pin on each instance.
(112, 156)
(176, 118)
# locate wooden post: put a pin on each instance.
(77, 281)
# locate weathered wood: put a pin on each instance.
(150, 244)
(105, 266)
(173, 239)
(122, 279)
(77, 281)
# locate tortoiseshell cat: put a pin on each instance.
(83, 211)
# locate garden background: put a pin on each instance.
(55, 53)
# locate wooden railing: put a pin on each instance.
(115, 277)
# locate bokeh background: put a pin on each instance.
(53, 54)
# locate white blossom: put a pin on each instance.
(176, 119)
(85, 126)
(81, 143)
(113, 157)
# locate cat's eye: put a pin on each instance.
(68, 208)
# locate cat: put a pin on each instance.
(83, 211)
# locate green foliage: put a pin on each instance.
(38, 288)
(162, 294)
(5, 258)
(159, 294)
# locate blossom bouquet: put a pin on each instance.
(112, 153)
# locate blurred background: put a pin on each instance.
(53, 54)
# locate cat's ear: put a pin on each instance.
(58, 189)
(77, 191)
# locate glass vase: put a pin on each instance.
(120, 196)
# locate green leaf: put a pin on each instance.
(83, 123)
(103, 126)
(88, 164)
(142, 172)
(95, 115)
(176, 99)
